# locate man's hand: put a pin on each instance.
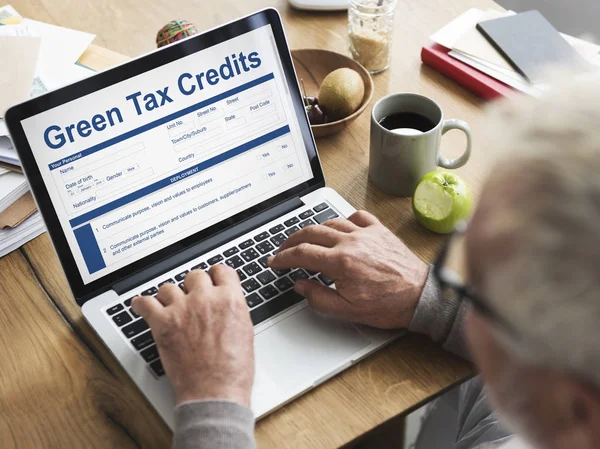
(378, 279)
(205, 337)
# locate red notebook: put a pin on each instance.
(482, 85)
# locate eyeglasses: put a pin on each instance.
(451, 282)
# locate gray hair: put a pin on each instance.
(548, 284)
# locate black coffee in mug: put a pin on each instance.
(407, 120)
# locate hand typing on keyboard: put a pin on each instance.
(204, 337)
(378, 279)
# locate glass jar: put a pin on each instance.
(370, 29)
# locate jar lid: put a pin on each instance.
(374, 7)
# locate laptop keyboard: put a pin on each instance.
(267, 291)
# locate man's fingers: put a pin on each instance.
(168, 294)
(341, 224)
(363, 218)
(316, 235)
(304, 255)
(324, 299)
(148, 307)
(223, 275)
(197, 280)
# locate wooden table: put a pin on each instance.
(61, 388)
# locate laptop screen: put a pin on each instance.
(148, 161)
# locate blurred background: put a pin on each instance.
(574, 17)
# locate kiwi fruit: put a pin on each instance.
(341, 93)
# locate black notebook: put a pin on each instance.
(530, 43)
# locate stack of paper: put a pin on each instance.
(19, 219)
(37, 57)
(468, 45)
(12, 187)
(8, 154)
(13, 238)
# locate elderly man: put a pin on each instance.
(528, 304)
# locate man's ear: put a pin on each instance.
(583, 413)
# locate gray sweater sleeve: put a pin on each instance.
(213, 425)
(440, 318)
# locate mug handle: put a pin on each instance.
(462, 160)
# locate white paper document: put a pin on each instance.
(61, 48)
(16, 30)
(3, 128)
(19, 56)
(450, 33)
(8, 15)
(72, 74)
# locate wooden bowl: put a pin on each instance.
(313, 65)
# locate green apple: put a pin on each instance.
(441, 200)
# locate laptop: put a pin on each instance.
(193, 155)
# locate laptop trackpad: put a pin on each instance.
(305, 347)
